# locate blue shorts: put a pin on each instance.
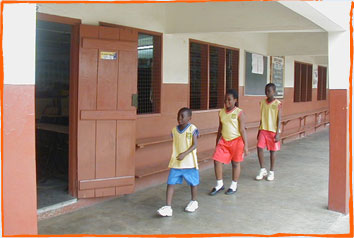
(190, 175)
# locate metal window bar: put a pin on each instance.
(216, 77)
(198, 76)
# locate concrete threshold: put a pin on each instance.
(56, 206)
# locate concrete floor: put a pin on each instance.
(52, 191)
(296, 202)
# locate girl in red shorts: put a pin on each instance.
(231, 142)
(269, 131)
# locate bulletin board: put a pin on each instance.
(277, 65)
(255, 74)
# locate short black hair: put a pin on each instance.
(232, 92)
(271, 85)
(185, 109)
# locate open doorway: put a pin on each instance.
(53, 44)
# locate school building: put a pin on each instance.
(91, 91)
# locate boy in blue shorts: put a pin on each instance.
(183, 163)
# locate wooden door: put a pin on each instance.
(106, 121)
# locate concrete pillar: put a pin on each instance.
(338, 73)
(19, 171)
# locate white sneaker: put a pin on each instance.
(165, 211)
(270, 176)
(192, 206)
(262, 173)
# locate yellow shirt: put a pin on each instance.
(269, 115)
(182, 141)
(230, 125)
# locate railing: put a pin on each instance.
(206, 155)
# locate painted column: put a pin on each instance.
(19, 165)
(338, 74)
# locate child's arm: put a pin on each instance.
(218, 135)
(193, 146)
(242, 121)
(277, 135)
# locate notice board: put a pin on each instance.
(255, 73)
(277, 65)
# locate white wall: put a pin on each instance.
(234, 16)
(300, 43)
(19, 36)
(336, 11)
(166, 18)
(145, 16)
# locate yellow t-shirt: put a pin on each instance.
(182, 141)
(230, 124)
(269, 115)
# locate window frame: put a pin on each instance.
(207, 90)
(303, 92)
(322, 83)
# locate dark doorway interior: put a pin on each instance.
(52, 112)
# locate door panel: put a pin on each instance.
(106, 125)
(107, 84)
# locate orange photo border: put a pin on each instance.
(351, 221)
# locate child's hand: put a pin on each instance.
(245, 151)
(181, 156)
(277, 137)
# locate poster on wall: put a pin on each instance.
(277, 74)
(315, 77)
(257, 64)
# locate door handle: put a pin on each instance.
(135, 100)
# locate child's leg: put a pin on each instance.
(236, 170)
(194, 190)
(272, 160)
(218, 174)
(169, 194)
(262, 172)
(218, 170)
(270, 176)
(260, 157)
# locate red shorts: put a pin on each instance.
(226, 151)
(267, 139)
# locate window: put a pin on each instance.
(303, 82)
(198, 76)
(213, 69)
(149, 73)
(322, 83)
(216, 77)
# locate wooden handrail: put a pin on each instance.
(141, 143)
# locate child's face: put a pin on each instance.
(183, 118)
(230, 101)
(269, 91)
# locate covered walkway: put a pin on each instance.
(296, 202)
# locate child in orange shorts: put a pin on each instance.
(269, 131)
(231, 142)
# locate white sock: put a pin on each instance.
(233, 185)
(219, 184)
